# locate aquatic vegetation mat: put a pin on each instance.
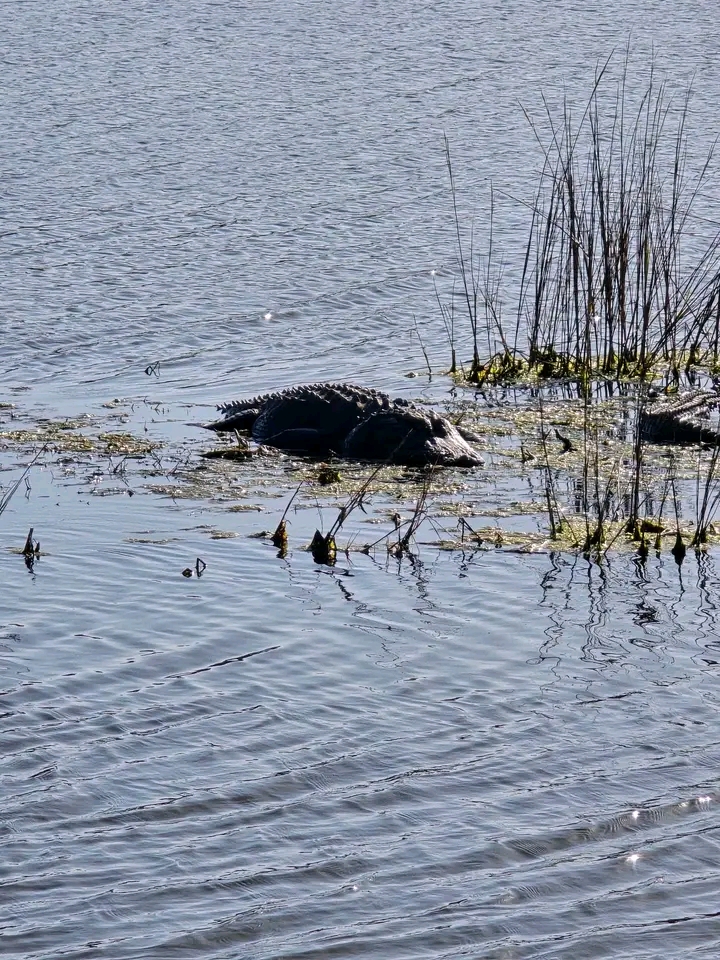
(566, 469)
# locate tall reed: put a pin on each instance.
(605, 288)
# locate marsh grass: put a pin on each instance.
(7, 495)
(616, 286)
(625, 493)
(707, 497)
(607, 288)
(610, 295)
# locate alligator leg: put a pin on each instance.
(242, 421)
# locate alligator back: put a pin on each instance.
(317, 419)
(681, 419)
(242, 414)
(411, 437)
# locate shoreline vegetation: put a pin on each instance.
(559, 477)
(607, 288)
(609, 301)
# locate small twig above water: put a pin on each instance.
(7, 497)
(422, 346)
(200, 566)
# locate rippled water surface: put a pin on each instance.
(467, 753)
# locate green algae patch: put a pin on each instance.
(492, 538)
(270, 474)
(465, 509)
(58, 437)
(176, 491)
(126, 444)
(152, 541)
(217, 482)
(574, 537)
(65, 436)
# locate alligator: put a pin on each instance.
(684, 418)
(343, 420)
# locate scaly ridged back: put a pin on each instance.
(348, 391)
(681, 419)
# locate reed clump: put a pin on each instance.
(608, 287)
(617, 286)
(622, 491)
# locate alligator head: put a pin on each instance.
(411, 437)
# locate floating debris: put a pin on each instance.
(679, 550)
(32, 547)
(327, 475)
(228, 453)
(125, 443)
(567, 444)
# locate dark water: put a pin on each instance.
(487, 754)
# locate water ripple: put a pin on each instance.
(495, 756)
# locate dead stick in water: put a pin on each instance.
(6, 498)
(29, 549)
